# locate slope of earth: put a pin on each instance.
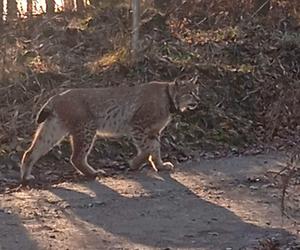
(248, 68)
(204, 204)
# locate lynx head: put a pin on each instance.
(184, 94)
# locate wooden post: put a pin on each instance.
(50, 7)
(29, 7)
(1, 12)
(79, 5)
(68, 5)
(12, 9)
(135, 26)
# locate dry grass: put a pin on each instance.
(108, 60)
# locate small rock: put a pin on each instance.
(183, 158)
(99, 203)
(122, 167)
(213, 233)
(65, 206)
(48, 172)
(189, 235)
(253, 179)
(268, 185)
(8, 212)
(253, 187)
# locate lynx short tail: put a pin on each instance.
(45, 112)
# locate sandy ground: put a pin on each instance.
(205, 204)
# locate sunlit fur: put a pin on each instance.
(140, 112)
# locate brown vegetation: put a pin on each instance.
(248, 66)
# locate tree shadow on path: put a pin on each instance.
(13, 235)
(166, 214)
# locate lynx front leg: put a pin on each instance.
(47, 135)
(82, 143)
(155, 156)
(149, 149)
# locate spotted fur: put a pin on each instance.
(140, 112)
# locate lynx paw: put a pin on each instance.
(161, 165)
(26, 179)
(152, 163)
(168, 165)
(96, 173)
(101, 172)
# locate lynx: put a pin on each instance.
(139, 112)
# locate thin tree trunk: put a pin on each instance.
(68, 5)
(50, 7)
(95, 2)
(1, 12)
(12, 9)
(79, 5)
(29, 7)
(135, 26)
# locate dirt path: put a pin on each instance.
(206, 204)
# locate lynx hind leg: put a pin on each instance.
(46, 137)
(142, 151)
(82, 142)
(138, 160)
